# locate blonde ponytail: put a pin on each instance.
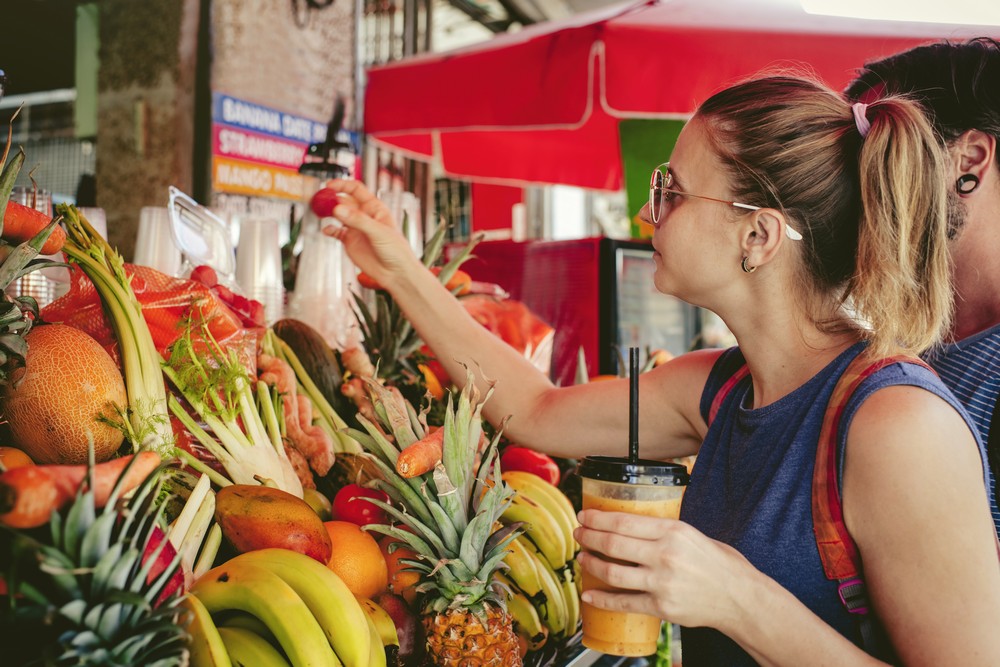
(902, 280)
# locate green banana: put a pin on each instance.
(328, 598)
(550, 602)
(540, 526)
(383, 622)
(375, 641)
(549, 498)
(206, 646)
(527, 623)
(248, 649)
(572, 597)
(243, 586)
(522, 569)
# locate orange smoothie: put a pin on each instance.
(614, 632)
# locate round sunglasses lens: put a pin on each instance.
(656, 195)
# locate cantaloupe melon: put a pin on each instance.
(68, 381)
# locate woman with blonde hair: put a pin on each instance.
(817, 231)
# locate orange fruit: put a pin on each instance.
(356, 559)
(401, 580)
(11, 457)
(68, 381)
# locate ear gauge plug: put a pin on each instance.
(966, 184)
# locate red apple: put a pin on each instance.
(408, 628)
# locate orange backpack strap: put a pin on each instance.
(724, 390)
(837, 550)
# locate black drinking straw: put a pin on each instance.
(633, 405)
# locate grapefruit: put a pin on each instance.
(53, 406)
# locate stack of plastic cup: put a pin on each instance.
(258, 265)
(154, 242)
(321, 298)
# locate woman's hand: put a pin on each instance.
(667, 569)
(369, 233)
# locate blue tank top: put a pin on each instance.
(971, 369)
(751, 488)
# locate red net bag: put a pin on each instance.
(167, 304)
(514, 322)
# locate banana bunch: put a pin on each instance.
(543, 596)
(279, 607)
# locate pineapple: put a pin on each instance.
(16, 313)
(96, 586)
(388, 336)
(452, 516)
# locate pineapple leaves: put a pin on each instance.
(432, 250)
(449, 535)
(427, 533)
(411, 499)
(23, 253)
(449, 269)
(390, 403)
(481, 527)
(9, 175)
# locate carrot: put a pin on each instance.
(366, 280)
(422, 455)
(29, 495)
(21, 223)
(460, 281)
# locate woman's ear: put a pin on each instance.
(972, 153)
(763, 235)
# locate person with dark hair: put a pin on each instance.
(958, 85)
(817, 230)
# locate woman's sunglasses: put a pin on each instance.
(661, 192)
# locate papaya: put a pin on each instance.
(261, 517)
(317, 358)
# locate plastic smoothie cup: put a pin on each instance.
(649, 488)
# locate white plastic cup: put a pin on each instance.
(321, 297)
(258, 265)
(154, 242)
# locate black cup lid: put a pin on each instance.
(644, 471)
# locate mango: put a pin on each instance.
(260, 517)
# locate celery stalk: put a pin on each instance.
(140, 359)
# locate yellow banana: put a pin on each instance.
(527, 623)
(239, 619)
(328, 598)
(243, 586)
(577, 576)
(375, 641)
(549, 602)
(572, 599)
(550, 498)
(522, 569)
(248, 649)
(540, 526)
(383, 621)
(206, 646)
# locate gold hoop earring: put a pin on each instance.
(747, 269)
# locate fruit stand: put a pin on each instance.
(182, 484)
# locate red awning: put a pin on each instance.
(542, 105)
